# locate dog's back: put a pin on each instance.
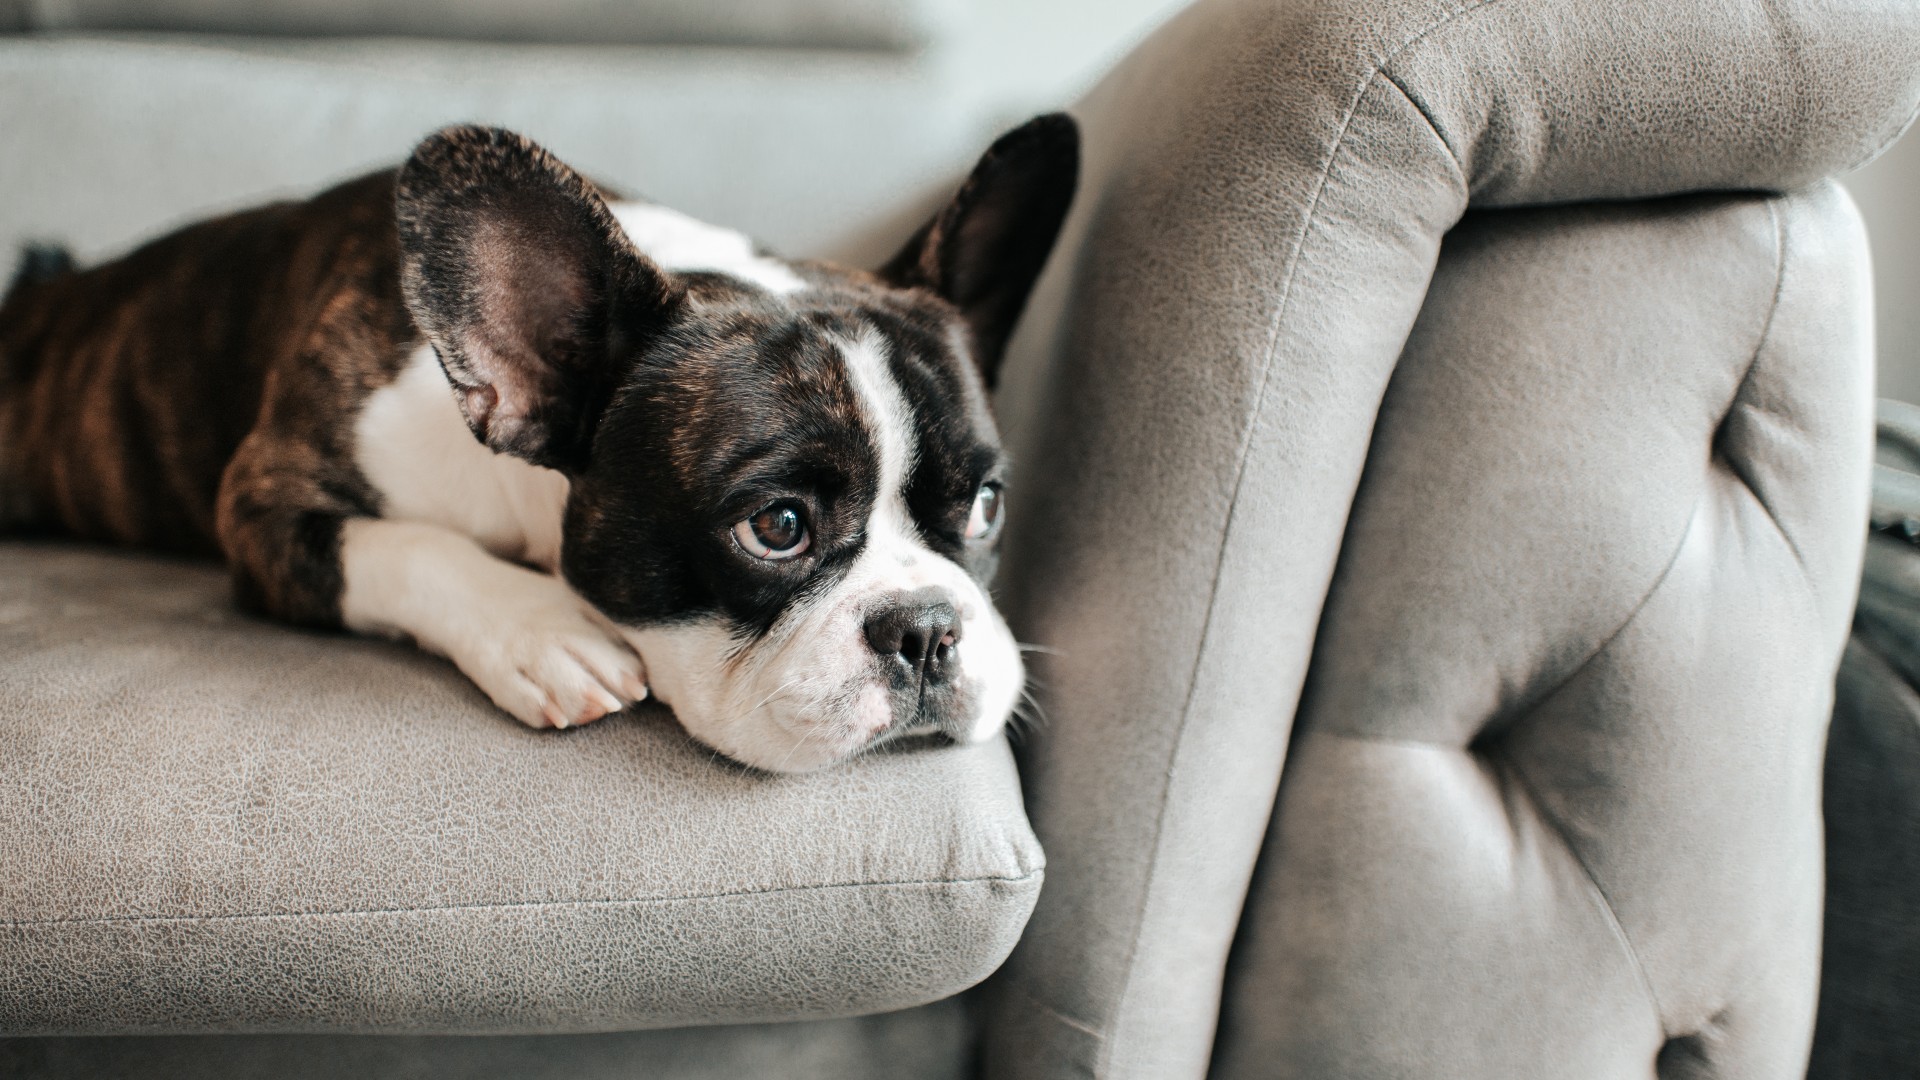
(126, 388)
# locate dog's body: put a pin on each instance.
(587, 449)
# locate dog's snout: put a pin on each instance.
(917, 631)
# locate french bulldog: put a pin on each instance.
(588, 449)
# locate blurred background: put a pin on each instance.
(1888, 191)
(814, 125)
(822, 127)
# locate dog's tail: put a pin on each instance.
(38, 263)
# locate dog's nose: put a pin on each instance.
(917, 630)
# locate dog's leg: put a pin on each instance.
(300, 534)
(536, 648)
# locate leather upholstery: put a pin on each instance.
(1558, 758)
(1266, 191)
(214, 824)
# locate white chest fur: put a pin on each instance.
(413, 446)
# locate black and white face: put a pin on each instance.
(785, 480)
(792, 507)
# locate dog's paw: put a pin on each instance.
(539, 651)
(550, 661)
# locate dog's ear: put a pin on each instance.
(515, 269)
(985, 248)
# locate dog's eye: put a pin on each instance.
(984, 520)
(777, 531)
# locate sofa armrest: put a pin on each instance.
(1194, 389)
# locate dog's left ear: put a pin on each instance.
(985, 248)
(515, 269)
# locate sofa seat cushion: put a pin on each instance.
(213, 824)
(856, 24)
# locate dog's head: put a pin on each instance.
(786, 485)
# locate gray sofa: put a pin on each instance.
(1444, 435)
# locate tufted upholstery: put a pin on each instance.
(1558, 758)
(1267, 189)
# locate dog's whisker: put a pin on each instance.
(777, 691)
(1029, 715)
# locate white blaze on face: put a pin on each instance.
(811, 692)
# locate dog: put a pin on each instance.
(588, 449)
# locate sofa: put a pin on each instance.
(1442, 437)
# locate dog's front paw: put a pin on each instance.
(553, 663)
(539, 651)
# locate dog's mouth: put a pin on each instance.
(824, 694)
(891, 741)
(924, 736)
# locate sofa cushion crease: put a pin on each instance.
(958, 884)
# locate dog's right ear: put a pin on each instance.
(984, 250)
(515, 269)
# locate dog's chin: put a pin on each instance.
(811, 718)
(789, 740)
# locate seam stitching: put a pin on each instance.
(1493, 756)
(1526, 788)
(1104, 1061)
(9, 924)
(1080, 1026)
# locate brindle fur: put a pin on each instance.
(199, 394)
(188, 397)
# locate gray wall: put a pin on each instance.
(1888, 191)
(1033, 55)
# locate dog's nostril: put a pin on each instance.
(921, 631)
(913, 646)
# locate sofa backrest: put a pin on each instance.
(845, 24)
